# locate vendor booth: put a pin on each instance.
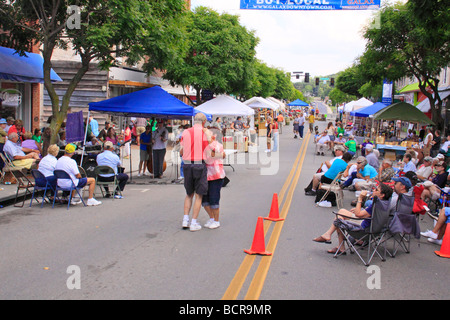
(263, 109)
(400, 111)
(226, 106)
(147, 103)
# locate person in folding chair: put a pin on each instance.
(69, 165)
(47, 166)
(20, 157)
(110, 159)
(382, 192)
(338, 165)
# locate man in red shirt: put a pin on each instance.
(193, 144)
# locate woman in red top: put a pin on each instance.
(18, 128)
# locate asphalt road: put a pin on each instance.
(135, 248)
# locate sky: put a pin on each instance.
(318, 42)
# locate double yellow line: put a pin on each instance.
(260, 274)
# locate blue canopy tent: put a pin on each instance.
(298, 103)
(27, 68)
(369, 110)
(146, 103)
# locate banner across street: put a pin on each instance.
(310, 4)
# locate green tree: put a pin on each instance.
(107, 29)
(411, 42)
(220, 55)
(338, 97)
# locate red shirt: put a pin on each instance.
(194, 142)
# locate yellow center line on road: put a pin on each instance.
(256, 285)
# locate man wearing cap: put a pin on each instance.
(338, 151)
(111, 159)
(322, 142)
(402, 186)
(67, 164)
(340, 140)
(425, 170)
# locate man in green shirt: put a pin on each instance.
(351, 145)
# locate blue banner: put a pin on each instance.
(310, 4)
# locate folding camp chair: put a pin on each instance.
(371, 238)
(102, 184)
(23, 183)
(404, 223)
(8, 167)
(334, 187)
(38, 175)
(61, 174)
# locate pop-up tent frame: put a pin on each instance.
(151, 102)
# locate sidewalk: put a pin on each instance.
(131, 165)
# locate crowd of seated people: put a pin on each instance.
(26, 150)
(419, 166)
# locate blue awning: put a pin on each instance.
(298, 103)
(146, 103)
(369, 110)
(29, 68)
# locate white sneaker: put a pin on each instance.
(93, 202)
(139, 174)
(195, 227)
(214, 225)
(75, 201)
(436, 241)
(118, 196)
(325, 204)
(207, 224)
(185, 223)
(429, 234)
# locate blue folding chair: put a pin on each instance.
(38, 175)
(61, 174)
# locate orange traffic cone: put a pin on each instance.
(258, 245)
(274, 214)
(445, 247)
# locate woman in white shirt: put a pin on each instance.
(47, 166)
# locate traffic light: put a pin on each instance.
(332, 82)
(317, 81)
(307, 77)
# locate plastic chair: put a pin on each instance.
(38, 175)
(61, 174)
(101, 184)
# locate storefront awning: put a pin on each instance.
(29, 68)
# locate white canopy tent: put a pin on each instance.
(259, 102)
(278, 102)
(224, 105)
(357, 104)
